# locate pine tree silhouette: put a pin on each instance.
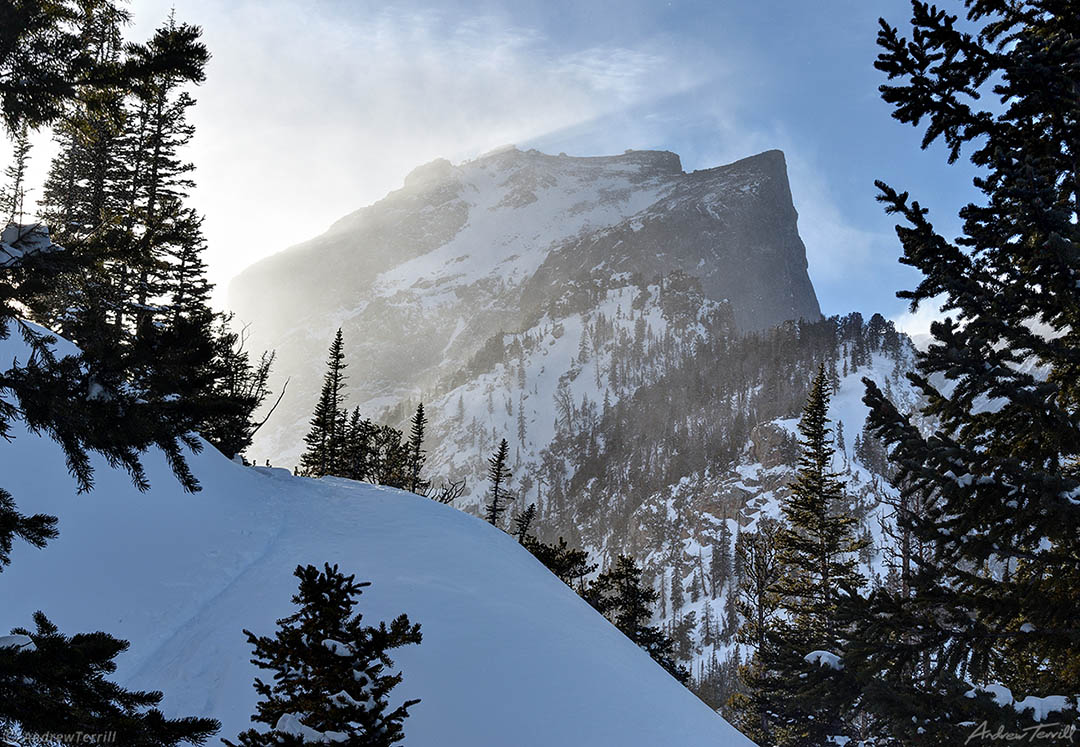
(331, 672)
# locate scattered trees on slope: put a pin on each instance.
(344, 444)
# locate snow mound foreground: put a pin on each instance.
(510, 655)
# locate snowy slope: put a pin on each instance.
(517, 398)
(510, 655)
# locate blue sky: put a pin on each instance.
(313, 109)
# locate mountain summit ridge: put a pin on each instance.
(421, 280)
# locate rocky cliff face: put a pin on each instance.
(422, 280)
(733, 227)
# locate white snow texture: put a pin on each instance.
(510, 655)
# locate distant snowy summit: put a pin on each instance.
(512, 215)
(422, 280)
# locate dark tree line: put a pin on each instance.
(346, 444)
(698, 415)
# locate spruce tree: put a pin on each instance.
(523, 522)
(498, 477)
(331, 672)
(359, 455)
(67, 398)
(754, 705)
(53, 57)
(720, 565)
(134, 295)
(569, 564)
(391, 457)
(13, 194)
(52, 683)
(325, 439)
(37, 529)
(238, 388)
(64, 58)
(793, 698)
(995, 475)
(620, 595)
(48, 61)
(817, 543)
(416, 451)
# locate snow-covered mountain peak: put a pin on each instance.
(432, 172)
(423, 279)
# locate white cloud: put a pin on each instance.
(313, 110)
(917, 324)
(309, 115)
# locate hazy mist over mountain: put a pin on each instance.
(423, 279)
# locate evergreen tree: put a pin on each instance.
(331, 673)
(817, 544)
(325, 439)
(994, 599)
(416, 451)
(523, 522)
(757, 605)
(134, 296)
(720, 566)
(54, 56)
(795, 700)
(569, 564)
(238, 388)
(619, 595)
(677, 591)
(13, 194)
(359, 454)
(707, 637)
(762, 568)
(65, 398)
(47, 64)
(37, 529)
(391, 457)
(498, 477)
(52, 683)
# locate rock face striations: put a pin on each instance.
(422, 280)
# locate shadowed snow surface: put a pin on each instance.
(510, 656)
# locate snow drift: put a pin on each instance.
(510, 655)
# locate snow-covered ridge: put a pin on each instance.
(180, 575)
(552, 198)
